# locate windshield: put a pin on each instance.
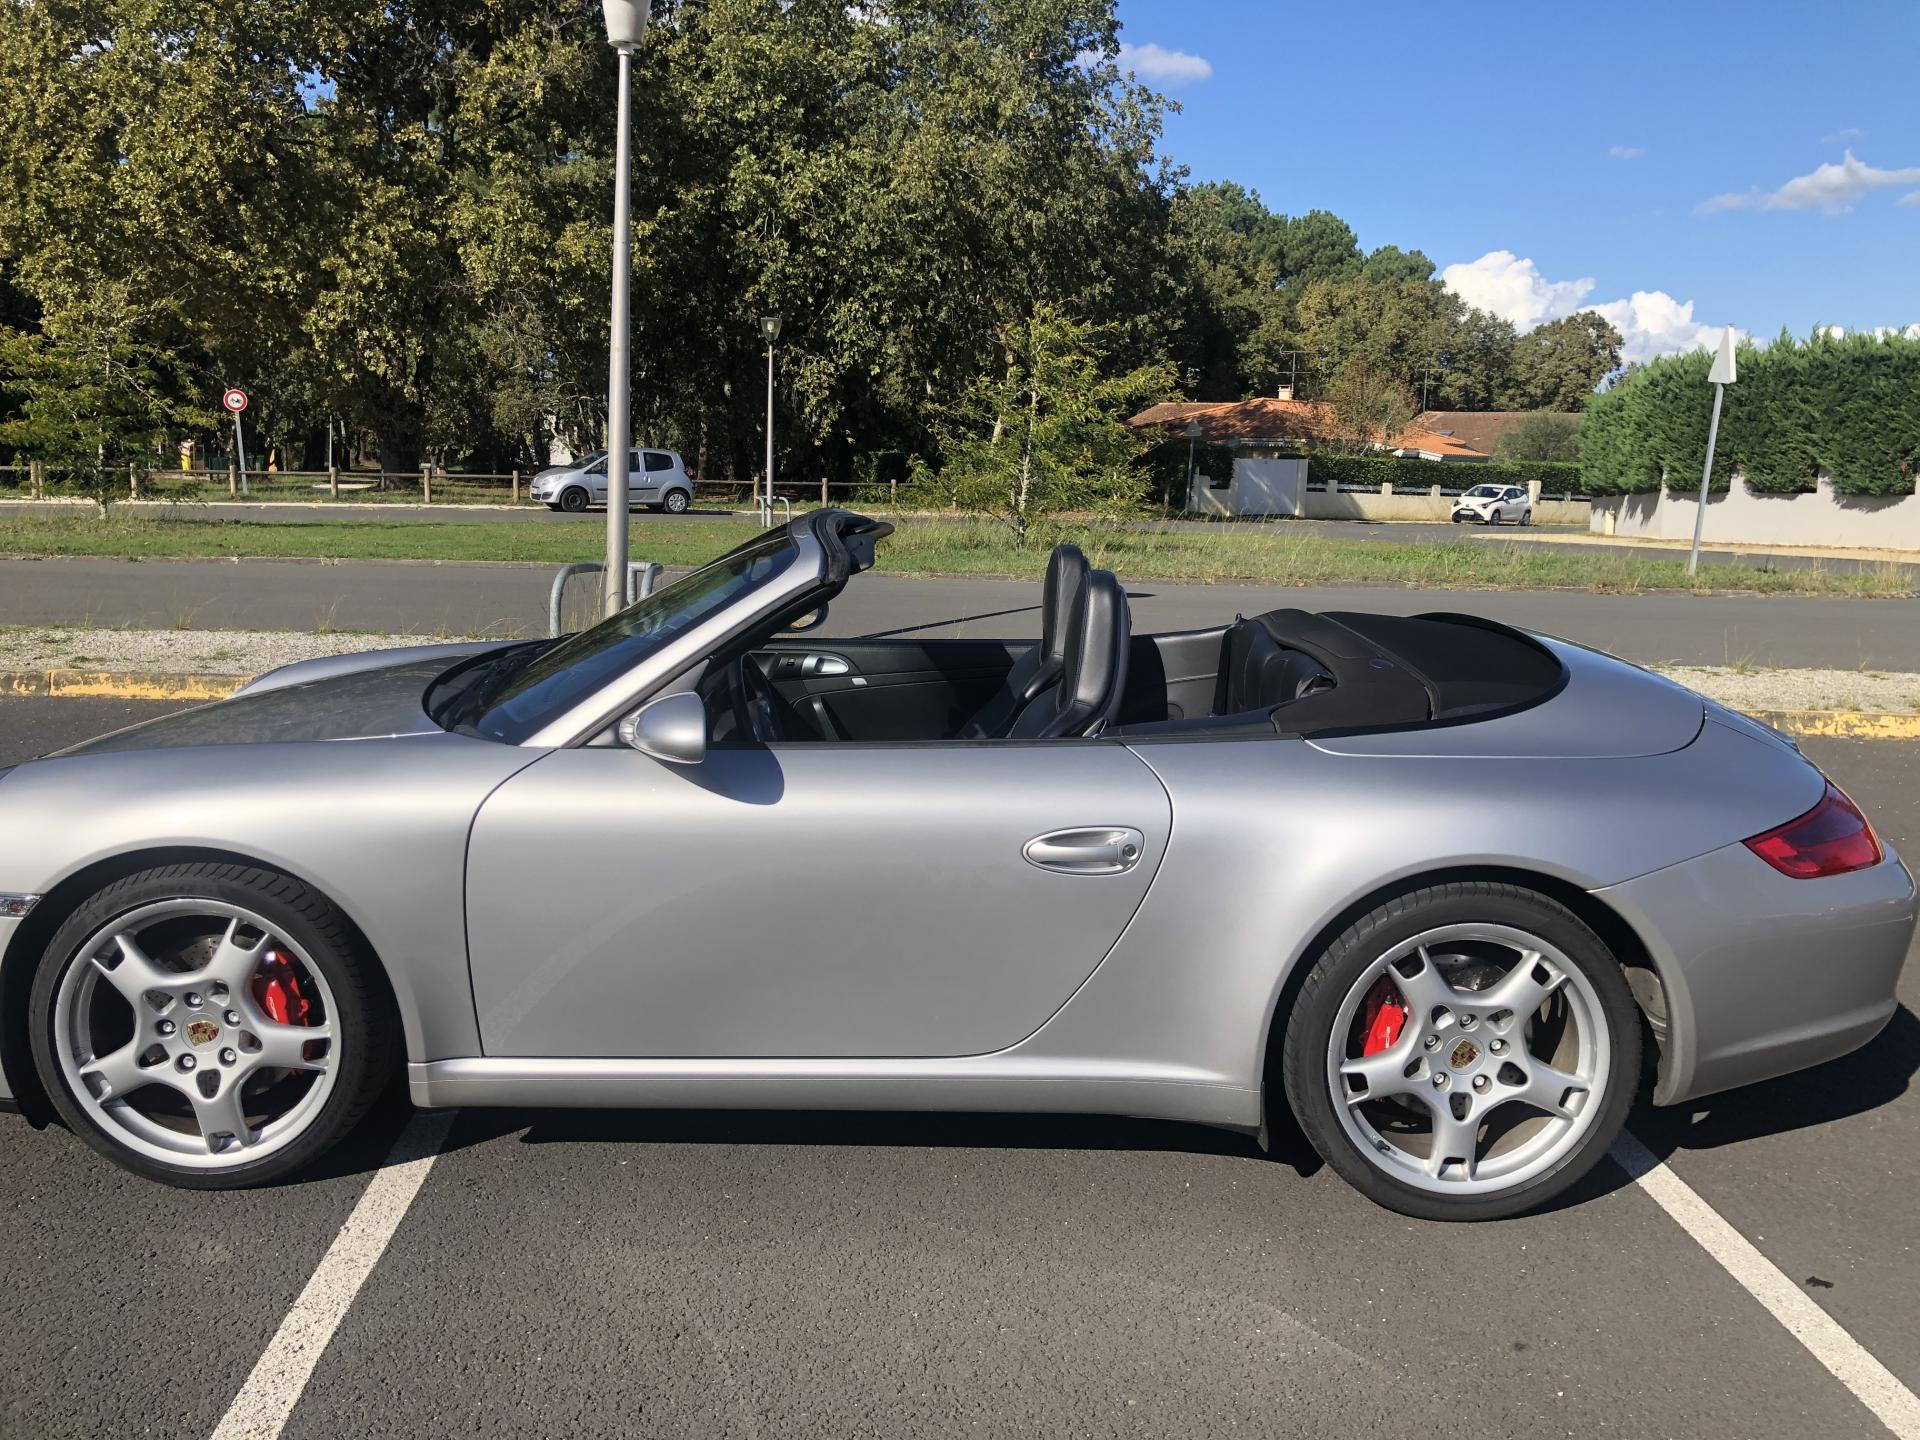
(1481, 492)
(530, 689)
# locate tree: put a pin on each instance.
(1416, 331)
(1049, 432)
(89, 401)
(1543, 435)
(1233, 337)
(1558, 366)
(1369, 407)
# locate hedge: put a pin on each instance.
(1556, 477)
(1847, 405)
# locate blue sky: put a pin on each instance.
(1634, 158)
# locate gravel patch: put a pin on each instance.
(181, 652)
(1872, 691)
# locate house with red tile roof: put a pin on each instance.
(1270, 437)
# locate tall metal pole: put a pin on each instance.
(767, 512)
(619, 394)
(240, 448)
(1706, 474)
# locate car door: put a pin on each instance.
(803, 900)
(655, 467)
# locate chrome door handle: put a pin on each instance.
(1095, 850)
(825, 665)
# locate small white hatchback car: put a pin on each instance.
(1494, 505)
(655, 478)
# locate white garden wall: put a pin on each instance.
(1744, 517)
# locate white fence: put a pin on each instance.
(1741, 516)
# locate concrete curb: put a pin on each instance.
(136, 685)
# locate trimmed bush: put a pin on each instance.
(1849, 406)
(1556, 477)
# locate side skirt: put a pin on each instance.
(990, 1083)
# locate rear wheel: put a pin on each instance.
(212, 1026)
(1464, 1052)
(573, 500)
(676, 502)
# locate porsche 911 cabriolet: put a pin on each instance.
(1431, 889)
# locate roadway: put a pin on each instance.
(490, 599)
(757, 1274)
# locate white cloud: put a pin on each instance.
(1912, 197)
(1650, 322)
(1164, 66)
(1624, 152)
(1503, 284)
(1852, 132)
(1832, 187)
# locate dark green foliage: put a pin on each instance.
(1850, 406)
(1412, 473)
(1167, 468)
(1543, 435)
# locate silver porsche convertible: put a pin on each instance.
(1444, 894)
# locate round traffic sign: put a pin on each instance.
(235, 400)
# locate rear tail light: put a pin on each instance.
(1830, 839)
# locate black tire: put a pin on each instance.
(573, 500)
(367, 1049)
(1342, 964)
(676, 502)
(551, 506)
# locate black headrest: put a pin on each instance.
(1094, 668)
(1067, 571)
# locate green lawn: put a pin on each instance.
(954, 547)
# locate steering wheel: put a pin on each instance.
(756, 709)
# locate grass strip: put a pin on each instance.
(960, 546)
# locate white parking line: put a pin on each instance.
(267, 1398)
(1872, 1384)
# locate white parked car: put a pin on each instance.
(655, 478)
(1494, 505)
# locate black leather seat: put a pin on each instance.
(1039, 669)
(1094, 668)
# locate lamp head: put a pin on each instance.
(626, 22)
(770, 328)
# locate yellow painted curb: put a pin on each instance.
(118, 685)
(1842, 724)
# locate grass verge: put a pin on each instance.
(1267, 555)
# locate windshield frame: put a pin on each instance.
(577, 717)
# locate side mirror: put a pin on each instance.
(812, 620)
(672, 728)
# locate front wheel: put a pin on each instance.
(573, 501)
(1464, 1052)
(210, 1026)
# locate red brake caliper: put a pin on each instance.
(1382, 1015)
(276, 986)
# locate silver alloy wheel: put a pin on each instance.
(1497, 1112)
(200, 1075)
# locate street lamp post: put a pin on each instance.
(770, 330)
(626, 28)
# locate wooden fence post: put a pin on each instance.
(823, 491)
(426, 483)
(516, 487)
(233, 477)
(133, 482)
(333, 481)
(37, 473)
(893, 492)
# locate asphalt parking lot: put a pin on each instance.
(605, 1273)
